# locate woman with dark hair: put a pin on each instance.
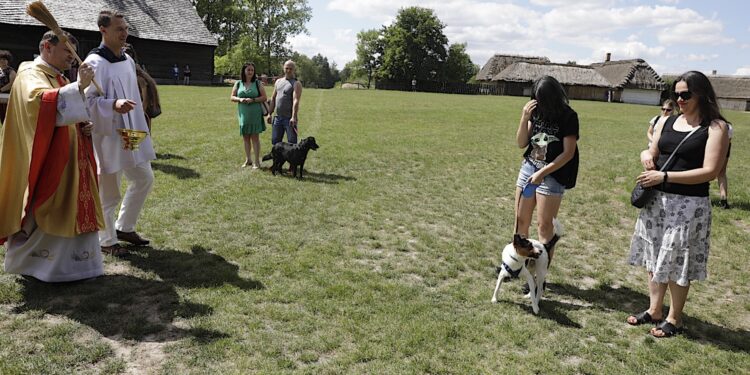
(249, 93)
(671, 238)
(549, 132)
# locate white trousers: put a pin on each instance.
(140, 180)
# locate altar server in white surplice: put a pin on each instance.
(119, 107)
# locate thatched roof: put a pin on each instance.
(566, 74)
(166, 20)
(725, 86)
(634, 73)
(731, 87)
(497, 63)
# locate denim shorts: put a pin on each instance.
(549, 185)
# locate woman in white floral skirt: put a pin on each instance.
(672, 233)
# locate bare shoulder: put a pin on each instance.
(718, 126)
(719, 123)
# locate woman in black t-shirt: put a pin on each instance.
(672, 233)
(549, 132)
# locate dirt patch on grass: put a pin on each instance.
(742, 225)
(139, 357)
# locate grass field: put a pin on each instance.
(382, 260)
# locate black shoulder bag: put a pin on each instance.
(263, 105)
(642, 195)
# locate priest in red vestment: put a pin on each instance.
(50, 212)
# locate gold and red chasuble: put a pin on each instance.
(45, 168)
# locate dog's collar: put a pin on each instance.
(513, 274)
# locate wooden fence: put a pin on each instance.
(441, 87)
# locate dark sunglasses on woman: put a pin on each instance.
(685, 95)
(666, 109)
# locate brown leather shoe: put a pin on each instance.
(133, 238)
(115, 250)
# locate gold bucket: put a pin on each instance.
(131, 138)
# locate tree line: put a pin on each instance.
(413, 47)
(259, 31)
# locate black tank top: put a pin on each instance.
(689, 156)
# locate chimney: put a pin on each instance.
(609, 55)
(713, 72)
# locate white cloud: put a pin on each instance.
(345, 35)
(709, 32)
(577, 3)
(631, 49)
(311, 46)
(554, 28)
(701, 57)
(376, 10)
(743, 71)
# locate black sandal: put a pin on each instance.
(643, 318)
(668, 329)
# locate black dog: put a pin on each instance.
(295, 154)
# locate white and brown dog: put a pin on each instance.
(528, 258)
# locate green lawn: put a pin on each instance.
(382, 260)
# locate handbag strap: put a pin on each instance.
(679, 144)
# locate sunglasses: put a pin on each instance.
(685, 95)
(667, 109)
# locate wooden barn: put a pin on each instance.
(632, 81)
(498, 63)
(163, 33)
(733, 92)
(580, 82)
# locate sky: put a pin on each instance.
(673, 36)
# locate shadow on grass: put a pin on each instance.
(551, 310)
(321, 178)
(169, 156)
(198, 269)
(118, 306)
(733, 205)
(624, 299)
(124, 306)
(179, 172)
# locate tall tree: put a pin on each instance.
(370, 45)
(458, 65)
(306, 71)
(415, 46)
(272, 22)
(325, 75)
(224, 19)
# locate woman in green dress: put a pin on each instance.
(249, 93)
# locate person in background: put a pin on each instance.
(667, 109)
(249, 93)
(723, 183)
(7, 76)
(285, 101)
(186, 75)
(176, 74)
(146, 87)
(672, 234)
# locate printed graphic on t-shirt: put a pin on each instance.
(539, 143)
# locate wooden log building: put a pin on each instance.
(580, 82)
(163, 33)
